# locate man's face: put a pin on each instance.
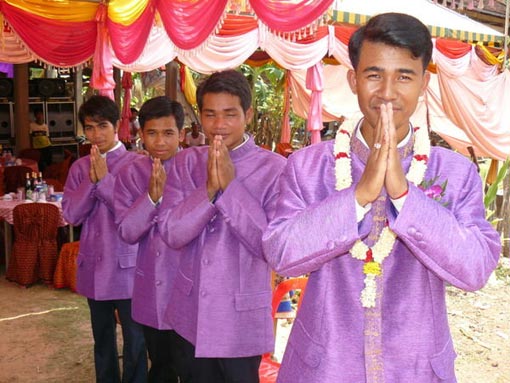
(161, 137)
(222, 114)
(101, 133)
(387, 74)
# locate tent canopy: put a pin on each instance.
(441, 21)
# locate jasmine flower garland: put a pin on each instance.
(374, 256)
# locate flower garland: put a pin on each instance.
(374, 256)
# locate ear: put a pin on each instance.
(249, 115)
(116, 127)
(182, 135)
(351, 79)
(426, 80)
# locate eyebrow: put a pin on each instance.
(221, 110)
(379, 69)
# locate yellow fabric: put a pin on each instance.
(39, 142)
(493, 60)
(64, 10)
(190, 88)
(125, 12)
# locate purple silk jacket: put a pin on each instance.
(106, 264)
(221, 301)
(156, 263)
(315, 227)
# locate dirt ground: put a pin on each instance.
(46, 336)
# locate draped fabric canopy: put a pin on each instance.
(210, 35)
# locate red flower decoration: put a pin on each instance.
(342, 155)
(422, 157)
(369, 257)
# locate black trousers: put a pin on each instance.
(106, 357)
(163, 354)
(218, 370)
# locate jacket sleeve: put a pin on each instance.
(246, 217)
(135, 214)
(456, 243)
(79, 195)
(307, 233)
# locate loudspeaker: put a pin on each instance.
(47, 87)
(6, 87)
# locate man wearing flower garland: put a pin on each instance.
(374, 309)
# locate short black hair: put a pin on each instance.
(394, 29)
(99, 108)
(228, 81)
(159, 107)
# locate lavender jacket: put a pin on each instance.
(221, 301)
(314, 228)
(156, 263)
(106, 264)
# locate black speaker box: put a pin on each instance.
(6, 87)
(47, 87)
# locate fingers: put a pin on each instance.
(157, 181)
(226, 169)
(213, 185)
(395, 180)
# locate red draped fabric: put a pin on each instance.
(102, 74)
(234, 25)
(128, 41)
(56, 42)
(127, 84)
(343, 33)
(189, 23)
(452, 48)
(285, 135)
(289, 16)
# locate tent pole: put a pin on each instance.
(506, 31)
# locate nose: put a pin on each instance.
(219, 122)
(388, 90)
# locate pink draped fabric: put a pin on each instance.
(190, 22)
(314, 83)
(289, 16)
(127, 84)
(129, 41)
(102, 74)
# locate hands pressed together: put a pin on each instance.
(98, 166)
(383, 168)
(157, 180)
(220, 169)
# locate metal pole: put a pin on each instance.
(507, 13)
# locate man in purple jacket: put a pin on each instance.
(382, 223)
(221, 198)
(139, 189)
(106, 263)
